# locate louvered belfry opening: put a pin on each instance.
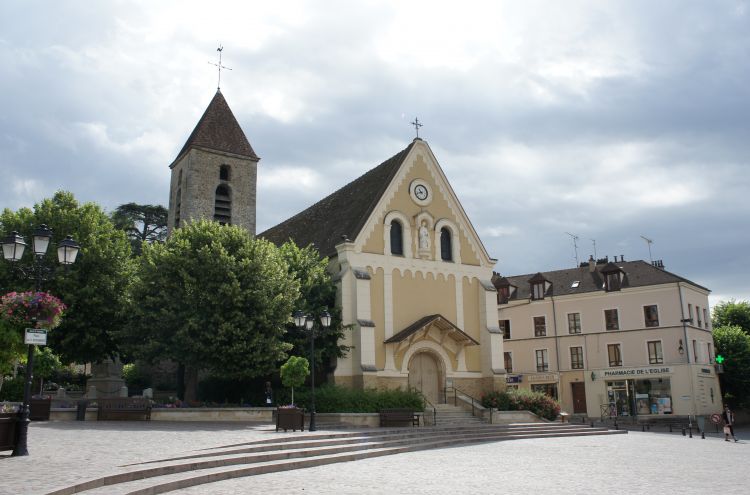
(223, 205)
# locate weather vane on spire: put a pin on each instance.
(219, 66)
(417, 124)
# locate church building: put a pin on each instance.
(414, 279)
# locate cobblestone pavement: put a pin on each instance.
(63, 453)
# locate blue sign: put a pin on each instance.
(513, 379)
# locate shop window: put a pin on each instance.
(655, 355)
(537, 291)
(542, 363)
(223, 205)
(549, 389)
(540, 326)
(651, 315)
(614, 353)
(508, 362)
(505, 328)
(397, 238)
(446, 246)
(652, 396)
(576, 358)
(611, 319)
(574, 322)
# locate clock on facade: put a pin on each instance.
(420, 192)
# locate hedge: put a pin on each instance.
(523, 400)
(335, 399)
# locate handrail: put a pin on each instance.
(457, 391)
(424, 405)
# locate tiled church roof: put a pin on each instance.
(219, 130)
(342, 214)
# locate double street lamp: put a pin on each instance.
(307, 322)
(13, 249)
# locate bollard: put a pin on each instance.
(683, 431)
(703, 435)
(643, 427)
(592, 424)
(670, 428)
(690, 430)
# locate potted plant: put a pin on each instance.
(24, 308)
(8, 420)
(293, 374)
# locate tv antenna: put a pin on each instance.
(649, 242)
(593, 241)
(575, 245)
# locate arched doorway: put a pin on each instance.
(424, 375)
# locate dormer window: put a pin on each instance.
(612, 282)
(503, 293)
(538, 286)
(537, 290)
(613, 275)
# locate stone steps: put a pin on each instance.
(304, 450)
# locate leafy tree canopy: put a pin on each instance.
(734, 344)
(294, 372)
(93, 288)
(141, 223)
(317, 292)
(732, 313)
(212, 298)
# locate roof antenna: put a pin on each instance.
(593, 241)
(219, 66)
(575, 245)
(649, 242)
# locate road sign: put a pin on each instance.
(716, 419)
(35, 336)
(719, 358)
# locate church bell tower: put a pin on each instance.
(214, 176)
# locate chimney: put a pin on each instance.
(592, 264)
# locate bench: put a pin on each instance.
(398, 417)
(124, 408)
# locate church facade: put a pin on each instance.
(414, 279)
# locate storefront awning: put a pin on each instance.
(433, 321)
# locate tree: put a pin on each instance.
(732, 313)
(141, 223)
(294, 372)
(212, 298)
(93, 288)
(11, 348)
(317, 292)
(734, 345)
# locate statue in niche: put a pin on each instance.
(424, 237)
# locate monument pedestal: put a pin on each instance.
(106, 380)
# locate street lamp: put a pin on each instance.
(307, 322)
(13, 249)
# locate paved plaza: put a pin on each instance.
(68, 452)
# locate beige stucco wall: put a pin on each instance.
(417, 295)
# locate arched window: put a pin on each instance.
(446, 246)
(224, 172)
(397, 238)
(177, 205)
(223, 205)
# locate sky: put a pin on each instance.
(606, 120)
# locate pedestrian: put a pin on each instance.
(728, 417)
(269, 394)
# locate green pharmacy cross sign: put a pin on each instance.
(719, 358)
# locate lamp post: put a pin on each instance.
(13, 249)
(307, 322)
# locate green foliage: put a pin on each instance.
(294, 372)
(538, 403)
(135, 377)
(734, 344)
(141, 223)
(212, 298)
(336, 399)
(732, 313)
(93, 288)
(12, 390)
(11, 346)
(46, 362)
(317, 293)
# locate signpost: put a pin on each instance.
(35, 336)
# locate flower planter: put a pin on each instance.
(8, 431)
(290, 418)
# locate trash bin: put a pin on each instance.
(81, 410)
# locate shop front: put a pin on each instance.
(543, 382)
(638, 391)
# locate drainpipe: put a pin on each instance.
(683, 320)
(557, 350)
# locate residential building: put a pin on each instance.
(610, 337)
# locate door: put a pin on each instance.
(579, 398)
(425, 376)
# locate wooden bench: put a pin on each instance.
(398, 417)
(124, 408)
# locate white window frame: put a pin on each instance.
(536, 365)
(580, 322)
(604, 319)
(705, 318)
(658, 315)
(406, 238)
(606, 355)
(512, 363)
(533, 326)
(648, 355)
(510, 323)
(699, 322)
(583, 357)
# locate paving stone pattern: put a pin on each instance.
(65, 453)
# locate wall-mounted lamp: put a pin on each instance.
(681, 349)
(593, 376)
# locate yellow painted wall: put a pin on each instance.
(378, 314)
(471, 289)
(416, 296)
